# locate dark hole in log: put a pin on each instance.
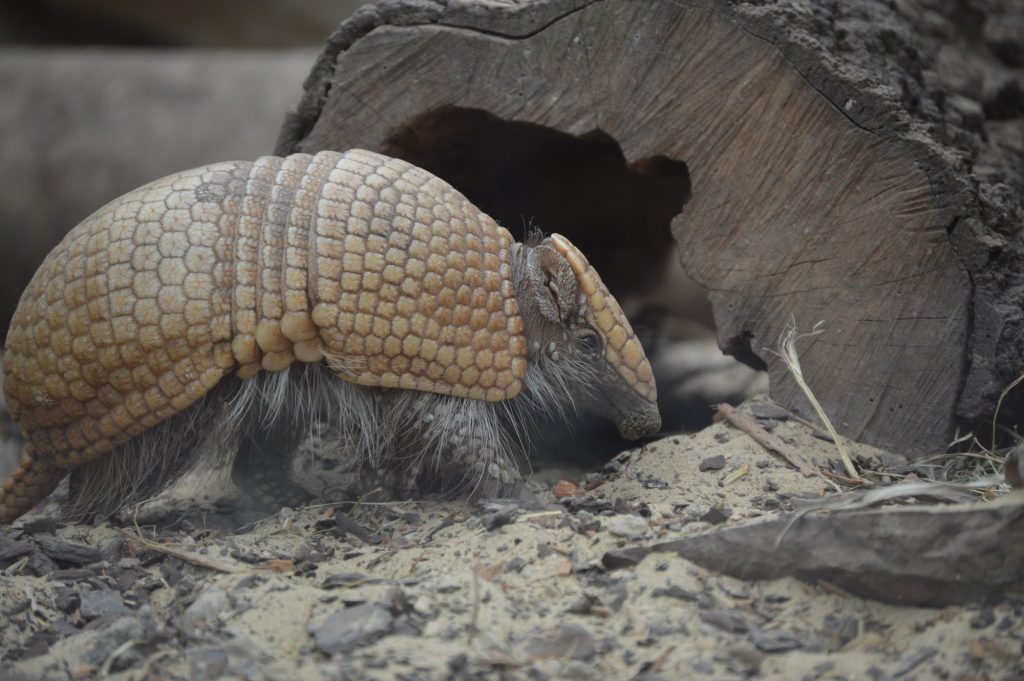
(525, 175)
(618, 212)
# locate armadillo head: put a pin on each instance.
(579, 342)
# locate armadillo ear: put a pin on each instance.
(553, 283)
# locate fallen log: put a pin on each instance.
(795, 183)
(915, 555)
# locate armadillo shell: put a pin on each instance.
(383, 269)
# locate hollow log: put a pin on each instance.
(796, 180)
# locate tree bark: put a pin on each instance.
(821, 150)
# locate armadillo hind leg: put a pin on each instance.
(140, 469)
(31, 482)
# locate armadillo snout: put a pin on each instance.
(640, 422)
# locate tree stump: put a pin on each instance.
(810, 192)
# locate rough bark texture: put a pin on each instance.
(842, 167)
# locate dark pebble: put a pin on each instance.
(675, 592)
(344, 526)
(347, 579)
(101, 603)
(67, 599)
(712, 463)
(496, 519)
(47, 525)
(728, 620)
(716, 516)
(985, 618)
(343, 631)
(584, 605)
(773, 640)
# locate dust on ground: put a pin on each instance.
(448, 589)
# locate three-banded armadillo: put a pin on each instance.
(247, 298)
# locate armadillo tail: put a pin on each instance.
(29, 483)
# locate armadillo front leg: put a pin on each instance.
(31, 482)
(459, 448)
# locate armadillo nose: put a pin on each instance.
(639, 422)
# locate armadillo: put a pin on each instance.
(240, 295)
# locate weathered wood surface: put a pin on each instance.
(795, 208)
(917, 555)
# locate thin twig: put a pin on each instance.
(765, 439)
(187, 556)
(788, 354)
(999, 405)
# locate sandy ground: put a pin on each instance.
(444, 589)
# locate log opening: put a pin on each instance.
(529, 176)
(620, 212)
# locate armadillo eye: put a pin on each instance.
(588, 341)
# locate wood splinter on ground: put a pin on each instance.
(770, 442)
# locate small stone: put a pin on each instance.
(716, 516)
(675, 592)
(343, 631)
(496, 519)
(564, 488)
(628, 526)
(101, 602)
(67, 599)
(773, 640)
(584, 605)
(139, 627)
(345, 580)
(712, 463)
(985, 618)
(728, 620)
(204, 611)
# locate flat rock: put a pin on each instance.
(100, 603)
(344, 630)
